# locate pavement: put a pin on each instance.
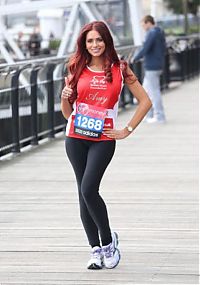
(151, 191)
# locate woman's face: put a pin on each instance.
(95, 44)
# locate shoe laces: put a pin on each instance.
(96, 253)
(108, 251)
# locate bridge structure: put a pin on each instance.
(78, 12)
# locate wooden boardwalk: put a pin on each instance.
(152, 196)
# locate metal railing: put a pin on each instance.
(30, 105)
(30, 94)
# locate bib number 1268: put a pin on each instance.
(89, 123)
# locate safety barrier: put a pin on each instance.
(30, 106)
(30, 93)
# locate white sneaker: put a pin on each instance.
(111, 252)
(96, 260)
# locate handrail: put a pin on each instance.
(35, 61)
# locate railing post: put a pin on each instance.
(187, 63)
(196, 62)
(185, 66)
(165, 77)
(50, 95)
(137, 66)
(193, 59)
(34, 125)
(122, 98)
(15, 111)
(167, 71)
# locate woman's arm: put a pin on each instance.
(144, 104)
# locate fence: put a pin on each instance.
(30, 93)
(30, 108)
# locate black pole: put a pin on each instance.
(15, 111)
(122, 98)
(166, 69)
(138, 69)
(34, 125)
(50, 95)
(15, 108)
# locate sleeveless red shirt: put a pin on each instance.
(96, 106)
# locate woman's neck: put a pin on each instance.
(96, 64)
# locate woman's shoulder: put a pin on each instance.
(118, 66)
(127, 72)
(121, 65)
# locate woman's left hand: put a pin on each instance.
(116, 134)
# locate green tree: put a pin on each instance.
(184, 7)
(177, 6)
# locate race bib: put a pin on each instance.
(89, 120)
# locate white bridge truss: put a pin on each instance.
(72, 26)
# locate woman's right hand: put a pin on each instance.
(66, 92)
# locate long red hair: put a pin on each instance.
(81, 57)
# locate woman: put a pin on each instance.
(90, 101)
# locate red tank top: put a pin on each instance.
(96, 106)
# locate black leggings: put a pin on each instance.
(90, 160)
